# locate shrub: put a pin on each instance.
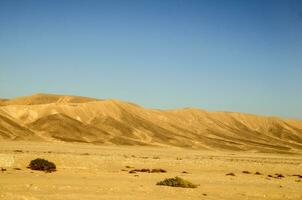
(139, 170)
(177, 182)
(42, 165)
(158, 171)
(298, 175)
(148, 171)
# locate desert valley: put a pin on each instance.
(109, 149)
(150, 100)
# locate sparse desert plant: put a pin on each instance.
(158, 171)
(298, 175)
(177, 182)
(146, 170)
(139, 170)
(279, 175)
(42, 165)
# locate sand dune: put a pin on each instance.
(88, 120)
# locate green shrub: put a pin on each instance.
(42, 165)
(177, 182)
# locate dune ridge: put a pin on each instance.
(61, 118)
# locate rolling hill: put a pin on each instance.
(48, 117)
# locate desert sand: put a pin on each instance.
(95, 143)
(86, 171)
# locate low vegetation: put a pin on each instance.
(278, 176)
(297, 175)
(158, 171)
(42, 165)
(146, 170)
(177, 182)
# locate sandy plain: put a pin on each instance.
(86, 171)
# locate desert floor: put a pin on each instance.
(102, 172)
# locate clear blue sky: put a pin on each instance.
(240, 55)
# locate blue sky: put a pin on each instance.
(240, 55)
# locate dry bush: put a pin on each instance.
(158, 171)
(42, 165)
(177, 182)
(146, 170)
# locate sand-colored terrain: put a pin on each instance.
(95, 143)
(45, 117)
(86, 171)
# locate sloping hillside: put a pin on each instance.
(10, 130)
(81, 119)
(45, 99)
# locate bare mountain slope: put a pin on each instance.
(62, 127)
(80, 119)
(45, 99)
(10, 130)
